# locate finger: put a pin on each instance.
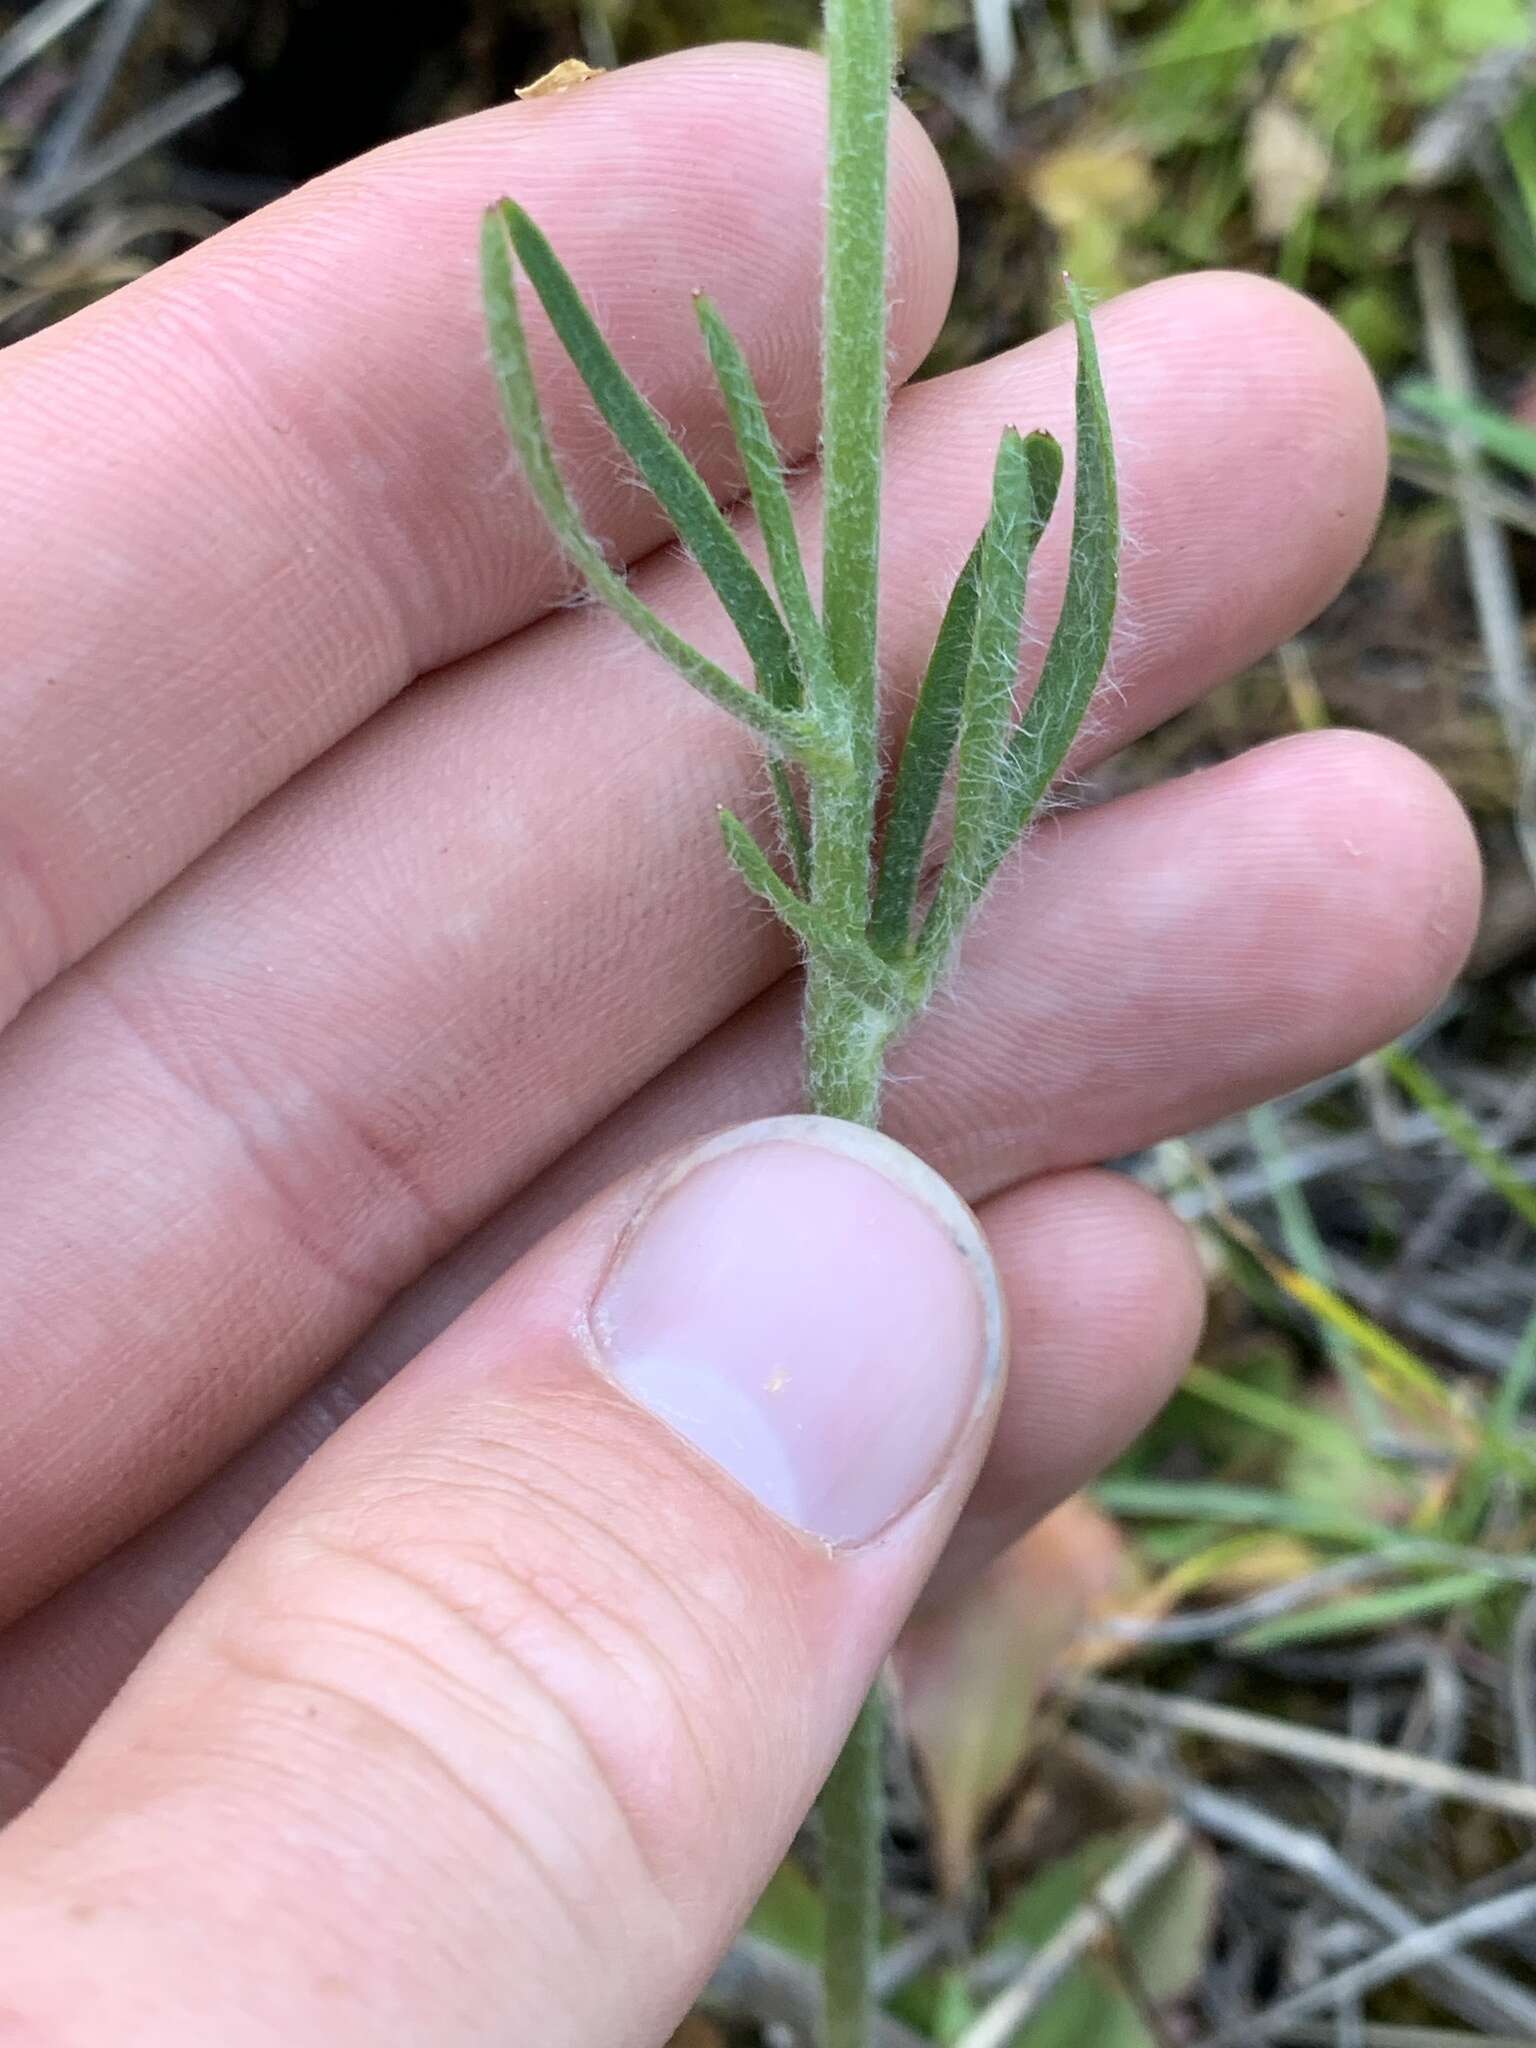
(454, 1729)
(1106, 1300)
(1140, 970)
(1104, 1297)
(1077, 1007)
(422, 973)
(282, 475)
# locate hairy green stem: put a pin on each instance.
(860, 61)
(874, 953)
(845, 1035)
(852, 1822)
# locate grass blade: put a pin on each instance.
(1252, 1507)
(1288, 1419)
(1417, 1082)
(1475, 1491)
(525, 426)
(1025, 483)
(679, 489)
(925, 758)
(1080, 644)
(1509, 1400)
(1397, 1373)
(1368, 1612)
(1394, 1371)
(1494, 432)
(1308, 1254)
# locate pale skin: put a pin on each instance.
(316, 980)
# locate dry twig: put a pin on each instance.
(759, 1982)
(1425, 1945)
(1470, 1988)
(1101, 1912)
(1312, 1746)
(1490, 571)
(38, 27)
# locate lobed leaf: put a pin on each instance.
(797, 840)
(679, 489)
(770, 501)
(1025, 483)
(529, 435)
(925, 758)
(1080, 645)
(859, 970)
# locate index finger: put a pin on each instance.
(256, 494)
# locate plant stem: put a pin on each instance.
(815, 707)
(860, 60)
(852, 1818)
(845, 1041)
(845, 1036)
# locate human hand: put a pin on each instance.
(333, 997)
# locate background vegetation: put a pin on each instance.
(1244, 1747)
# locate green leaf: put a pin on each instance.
(679, 489)
(925, 758)
(1509, 1399)
(1252, 1506)
(797, 842)
(1080, 644)
(1024, 487)
(525, 426)
(1493, 432)
(1417, 1082)
(770, 499)
(1519, 138)
(860, 970)
(1302, 1425)
(844, 1054)
(1163, 1937)
(760, 875)
(1305, 1249)
(1368, 1612)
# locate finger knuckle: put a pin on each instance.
(542, 1644)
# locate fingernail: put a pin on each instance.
(813, 1309)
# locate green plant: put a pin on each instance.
(876, 935)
